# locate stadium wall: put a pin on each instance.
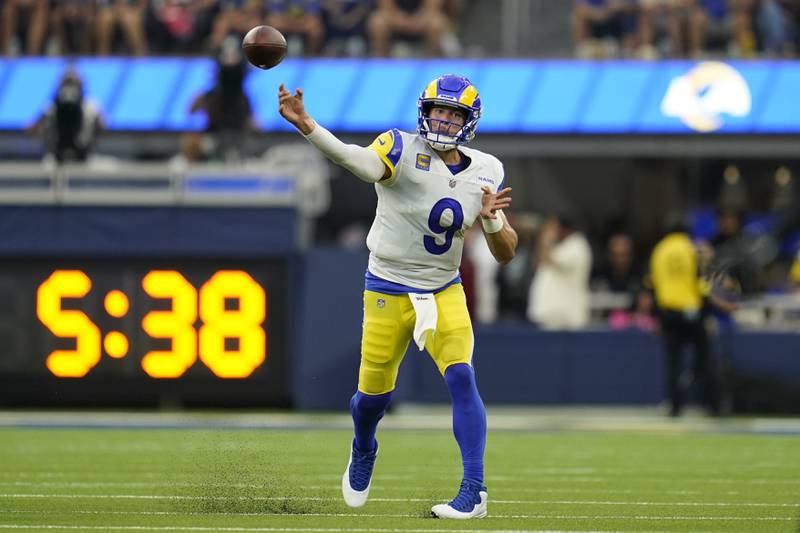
(314, 303)
(515, 363)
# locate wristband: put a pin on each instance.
(492, 225)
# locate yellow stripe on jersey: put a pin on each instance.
(468, 96)
(383, 145)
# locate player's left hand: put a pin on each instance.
(491, 202)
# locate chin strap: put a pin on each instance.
(433, 138)
(437, 145)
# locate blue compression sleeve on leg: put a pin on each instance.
(367, 410)
(469, 418)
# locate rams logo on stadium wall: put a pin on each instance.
(701, 96)
(423, 161)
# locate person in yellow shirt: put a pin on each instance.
(794, 274)
(681, 294)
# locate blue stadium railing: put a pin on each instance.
(519, 96)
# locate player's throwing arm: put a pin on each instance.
(364, 163)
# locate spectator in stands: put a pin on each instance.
(618, 273)
(72, 26)
(559, 294)
(450, 43)
(712, 23)
(779, 27)
(729, 227)
(180, 25)
(23, 26)
(71, 123)
(128, 16)
(681, 296)
(227, 106)
(299, 18)
(408, 19)
(640, 315)
(345, 26)
(656, 16)
(467, 270)
(514, 278)
(484, 308)
(794, 273)
(600, 28)
(235, 18)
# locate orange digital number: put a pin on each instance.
(176, 324)
(242, 323)
(68, 324)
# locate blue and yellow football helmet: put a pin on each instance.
(449, 90)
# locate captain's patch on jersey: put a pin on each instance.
(423, 162)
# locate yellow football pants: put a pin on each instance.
(388, 329)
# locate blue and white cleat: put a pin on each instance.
(471, 502)
(357, 477)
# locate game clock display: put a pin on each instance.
(125, 322)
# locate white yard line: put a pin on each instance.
(412, 477)
(387, 515)
(348, 529)
(264, 529)
(329, 488)
(400, 500)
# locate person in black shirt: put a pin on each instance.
(227, 106)
(70, 124)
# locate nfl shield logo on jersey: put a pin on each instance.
(381, 303)
(452, 184)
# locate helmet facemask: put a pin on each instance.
(436, 131)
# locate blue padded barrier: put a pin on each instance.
(515, 363)
(373, 95)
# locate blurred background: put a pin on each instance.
(167, 240)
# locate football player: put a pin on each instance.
(431, 188)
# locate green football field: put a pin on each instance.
(282, 473)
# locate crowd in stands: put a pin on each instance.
(165, 27)
(652, 29)
(567, 277)
(644, 29)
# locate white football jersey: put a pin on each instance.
(423, 210)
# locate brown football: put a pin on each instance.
(264, 46)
